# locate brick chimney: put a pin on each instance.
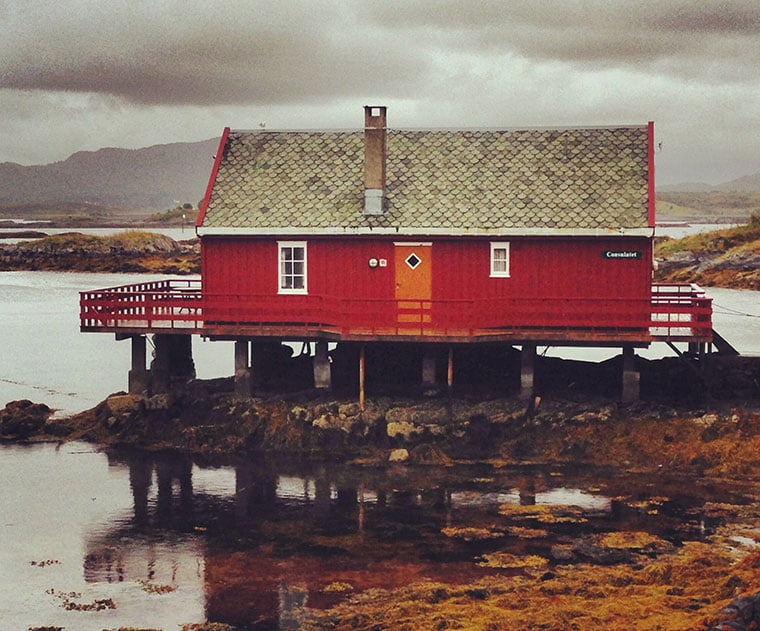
(374, 159)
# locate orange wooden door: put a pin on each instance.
(414, 281)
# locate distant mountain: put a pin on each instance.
(745, 184)
(152, 178)
(685, 187)
(157, 177)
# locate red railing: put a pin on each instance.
(674, 312)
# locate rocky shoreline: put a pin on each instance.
(738, 270)
(632, 580)
(128, 252)
(722, 258)
(706, 423)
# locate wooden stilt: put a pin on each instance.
(361, 510)
(321, 367)
(361, 378)
(242, 378)
(527, 370)
(630, 389)
(450, 369)
(138, 374)
(428, 368)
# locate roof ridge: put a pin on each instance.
(440, 129)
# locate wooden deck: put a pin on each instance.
(675, 313)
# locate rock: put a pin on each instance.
(707, 420)
(123, 404)
(743, 614)
(430, 455)
(299, 414)
(208, 626)
(402, 429)
(478, 593)
(159, 402)
(334, 421)
(563, 553)
(23, 418)
(58, 426)
(398, 455)
(349, 409)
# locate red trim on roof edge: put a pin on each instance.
(212, 177)
(650, 165)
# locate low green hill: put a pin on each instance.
(721, 258)
(708, 207)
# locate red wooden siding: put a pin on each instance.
(550, 268)
(553, 282)
(249, 266)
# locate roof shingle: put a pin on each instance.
(450, 180)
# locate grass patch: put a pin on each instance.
(745, 238)
(129, 241)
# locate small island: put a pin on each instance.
(729, 257)
(129, 252)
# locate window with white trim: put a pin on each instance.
(291, 276)
(499, 259)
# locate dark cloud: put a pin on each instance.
(738, 18)
(710, 41)
(80, 74)
(202, 53)
(174, 51)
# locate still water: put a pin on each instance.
(45, 358)
(93, 541)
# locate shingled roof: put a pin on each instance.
(442, 181)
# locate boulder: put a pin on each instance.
(398, 455)
(23, 418)
(122, 404)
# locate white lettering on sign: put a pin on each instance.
(621, 254)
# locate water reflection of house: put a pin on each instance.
(429, 239)
(256, 543)
(130, 551)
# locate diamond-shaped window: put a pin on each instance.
(413, 260)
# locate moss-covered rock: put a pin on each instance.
(21, 419)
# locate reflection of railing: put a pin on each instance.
(673, 312)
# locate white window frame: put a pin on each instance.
(281, 275)
(499, 273)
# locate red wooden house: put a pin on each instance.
(442, 237)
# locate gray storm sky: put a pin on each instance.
(84, 74)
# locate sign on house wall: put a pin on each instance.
(621, 254)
